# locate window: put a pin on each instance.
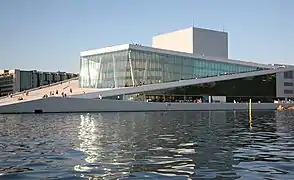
(288, 75)
(288, 84)
(287, 91)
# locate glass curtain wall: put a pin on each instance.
(134, 67)
(150, 67)
(105, 70)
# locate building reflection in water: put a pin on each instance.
(180, 144)
(284, 121)
(264, 147)
(155, 145)
(100, 140)
(162, 143)
(90, 138)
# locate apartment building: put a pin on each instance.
(16, 80)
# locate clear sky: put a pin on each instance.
(48, 35)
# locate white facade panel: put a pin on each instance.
(195, 41)
(221, 99)
(181, 41)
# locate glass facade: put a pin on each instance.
(240, 90)
(134, 67)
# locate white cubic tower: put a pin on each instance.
(194, 40)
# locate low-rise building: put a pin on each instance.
(17, 80)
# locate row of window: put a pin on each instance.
(288, 75)
(6, 82)
(288, 84)
(288, 91)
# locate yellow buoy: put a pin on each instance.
(250, 113)
(280, 108)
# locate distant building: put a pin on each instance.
(16, 80)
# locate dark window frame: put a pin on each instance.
(288, 84)
(288, 91)
(288, 75)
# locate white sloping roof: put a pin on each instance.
(160, 86)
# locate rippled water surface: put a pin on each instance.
(153, 145)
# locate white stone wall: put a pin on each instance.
(59, 104)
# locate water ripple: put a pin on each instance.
(173, 145)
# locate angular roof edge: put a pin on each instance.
(105, 50)
(176, 53)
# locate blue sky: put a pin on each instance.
(48, 35)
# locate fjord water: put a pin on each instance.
(148, 145)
